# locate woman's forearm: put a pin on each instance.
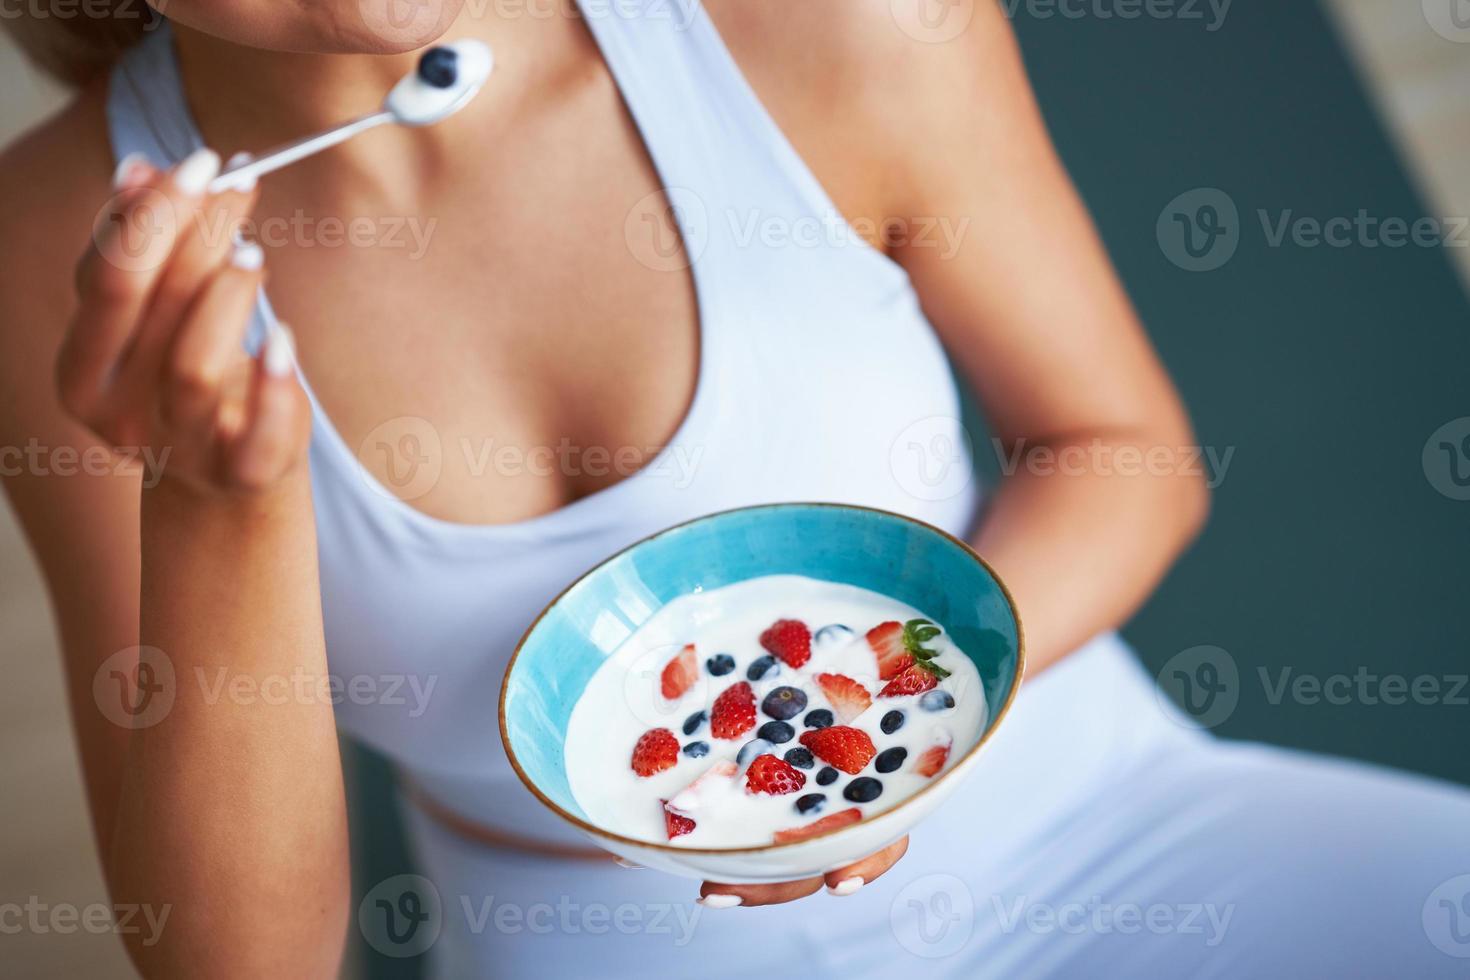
(231, 810)
(1082, 544)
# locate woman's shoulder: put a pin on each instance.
(63, 162)
(57, 180)
(867, 90)
(861, 54)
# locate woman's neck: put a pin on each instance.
(250, 99)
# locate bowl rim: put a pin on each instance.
(968, 758)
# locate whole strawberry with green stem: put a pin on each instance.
(903, 659)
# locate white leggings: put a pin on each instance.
(1102, 837)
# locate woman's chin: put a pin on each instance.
(396, 26)
(340, 27)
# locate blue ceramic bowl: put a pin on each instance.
(897, 556)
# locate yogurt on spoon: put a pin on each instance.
(446, 79)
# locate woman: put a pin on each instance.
(671, 260)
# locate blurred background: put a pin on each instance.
(1219, 145)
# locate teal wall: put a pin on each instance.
(1327, 369)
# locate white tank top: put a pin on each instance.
(820, 380)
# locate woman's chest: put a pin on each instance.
(514, 318)
(545, 320)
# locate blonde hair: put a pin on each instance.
(75, 41)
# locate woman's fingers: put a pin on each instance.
(155, 349)
(273, 428)
(842, 881)
(716, 896)
(205, 248)
(208, 344)
(846, 880)
(130, 248)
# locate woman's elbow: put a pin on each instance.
(1190, 503)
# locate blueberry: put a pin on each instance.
(439, 67)
(890, 759)
(834, 633)
(936, 700)
(826, 776)
(818, 718)
(810, 803)
(751, 749)
(720, 664)
(800, 758)
(784, 703)
(761, 666)
(891, 722)
(697, 750)
(864, 789)
(692, 723)
(776, 731)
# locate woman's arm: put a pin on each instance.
(1104, 494)
(227, 813)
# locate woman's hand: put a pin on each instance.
(153, 357)
(842, 881)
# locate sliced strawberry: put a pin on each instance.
(705, 789)
(733, 713)
(657, 750)
(848, 698)
(790, 640)
(849, 749)
(886, 639)
(913, 680)
(679, 674)
(829, 823)
(675, 823)
(931, 760)
(723, 769)
(773, 776)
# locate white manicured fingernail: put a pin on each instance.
(280, 351)
(126, 168)
(846, 886)
(720, 901)
(243, 184)
(248, 256)
(198, 169)
(625, 863)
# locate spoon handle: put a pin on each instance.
(288, 153)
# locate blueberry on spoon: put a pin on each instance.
(439, 67)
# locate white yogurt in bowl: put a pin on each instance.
(665, 745)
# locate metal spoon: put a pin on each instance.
(446, 79)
